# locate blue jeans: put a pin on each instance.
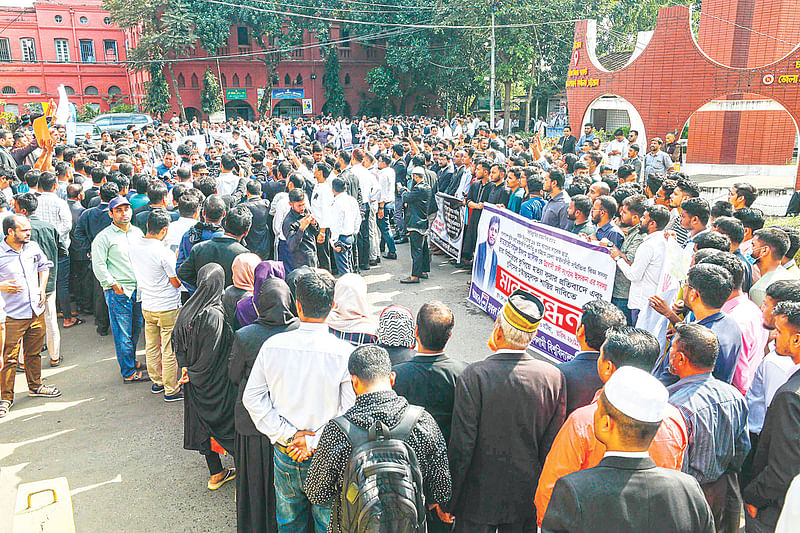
(284, 255)
(383, 225)
(126, 319)
(293, 508)
(344, 259)
(622, 303)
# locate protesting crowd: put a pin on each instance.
(238, 249)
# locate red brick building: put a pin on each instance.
(50, 42)
(737, 84)
(47, 43)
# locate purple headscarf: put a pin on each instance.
(246, 312)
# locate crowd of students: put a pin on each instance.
(241, 264)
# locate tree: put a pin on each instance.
(211, 95)
(156, 100)
(385, 87)
(335, 103)
(166, 31)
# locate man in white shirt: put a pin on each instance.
(644, 269)
(158, 285)
(321, 206)
(189, 210)
(617, 149)
(345, 222)
(293, 416)
(227, 180)
(386, 184)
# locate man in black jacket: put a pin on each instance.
(567, 142)
(221, 250)
(400, 184)
(777, 458)
(415, 202)
(300, 230)
(627, 492)
(257, 240)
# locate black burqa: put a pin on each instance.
(255, 492)
(202, 343)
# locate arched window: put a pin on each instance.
(33, 89)
(195, 82)
(287, 80)
(235, 81)
(69, 90)
(299, 80)
(114, 90)
(91, 90)
(248, 81)
(8, 90)
(181, 80)
(347, 79)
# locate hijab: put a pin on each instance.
(274, 304)
(210, 283)
(350, 313)
(247, 309)
(244, 271)
(396, 327)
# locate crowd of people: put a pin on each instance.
(238, 249)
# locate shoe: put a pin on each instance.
(102, 332)
(45, 391)
(409, 280)
(390, 255)
(373, 262)
(229, 475)
(5, 407)
(364, 267)
(178, 396)
(424, 275)
(54, 364)
(156, 389)
(136, 377)
(20, 369)
(401, 240)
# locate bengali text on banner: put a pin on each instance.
(447, 229)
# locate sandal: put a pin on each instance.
(139, 366)
(56, 363)
(5, 407)
(230, 474)
(77, 322)
(136, 377)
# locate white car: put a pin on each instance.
(121, 121)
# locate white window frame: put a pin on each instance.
(5, 50)
(62, 50)
(28, 47)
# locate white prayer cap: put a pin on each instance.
(637, 394)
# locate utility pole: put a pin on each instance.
(492, 6)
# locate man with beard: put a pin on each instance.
(478, 194)
(641, 257)
(769, 247)
(487, 257)
(499, 193)
(579, 212)
(603, 213)
(301, 231)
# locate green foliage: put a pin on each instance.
(263, 103)
(156, 100)
(335, 103)
(385, 88)
(211, 95)
(86, 113)
(123, 108)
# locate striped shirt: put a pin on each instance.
(356, 339)
(716, 421)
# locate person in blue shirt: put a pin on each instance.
(515, 177)
(706, 289)
(603, 212)
(588, 135)
(532, 207)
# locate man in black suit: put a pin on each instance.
(627, 492)
(568, 142)
(506, 413)
(777, 458)
(257, 240)
(583, 381)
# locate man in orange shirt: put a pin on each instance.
(576, 448)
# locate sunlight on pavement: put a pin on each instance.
(49, 406)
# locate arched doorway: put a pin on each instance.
(287, 108)
(192, 112)
(609, 112)
(239, 108)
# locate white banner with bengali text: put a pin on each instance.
(447, 229)
(561, 269)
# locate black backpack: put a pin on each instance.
(382, 485)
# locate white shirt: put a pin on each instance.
(299, 382)
(615, 161)
(386, 182)
(366, 182)
(790, 514)
(645, 269)
(227, 183)
(281, 203)
(56, 211)
(321, 203)
(154, 264)
(177, 230)
(772, 372)
(345, 216)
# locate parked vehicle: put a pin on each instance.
(82, 128)
(121, 121)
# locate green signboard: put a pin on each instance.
(236, 94)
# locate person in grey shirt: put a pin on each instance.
(656, 161)
(555, 210)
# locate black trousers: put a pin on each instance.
(101, 319)
(471, 235)
(324, 253)
(81, 283)
(525, 526)
(362, 240)
(420, 254)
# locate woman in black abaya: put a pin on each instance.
(255, 493)
(202, 343)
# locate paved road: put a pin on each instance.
(120, 446)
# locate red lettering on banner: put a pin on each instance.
(556, 312)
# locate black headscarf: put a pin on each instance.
(274, 306)
(202, 341)
(291, 280)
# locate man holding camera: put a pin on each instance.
(300, 230)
